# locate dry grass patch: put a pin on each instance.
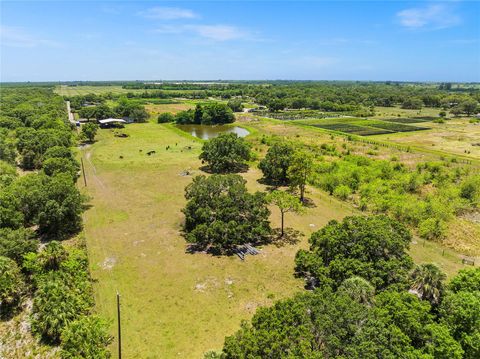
(156, 109)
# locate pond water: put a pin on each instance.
(206, 132)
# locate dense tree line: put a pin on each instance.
(214, 113)
(348, 316)
(45, 205)
(328, 96)
(31, 122)
(355, 98)
(124, 108)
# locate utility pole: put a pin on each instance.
(119, 328)
(83, 171)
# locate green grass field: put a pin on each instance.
(64, 90)
(174, 304)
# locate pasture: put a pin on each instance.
(155, 109)
(397, 111)
(82, 90)
(175, 304)
(456, 136)
(65, 90)
(135, 246)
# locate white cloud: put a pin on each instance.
(17, 37)
(434, 17)
(219, 32)
(211, 32)
(168, 13)
(170, 29)
(336, 41)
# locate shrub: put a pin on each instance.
(165, 117)
(11, 285)
(55, 305)
(235, 105)
(470, 189)
(86, 337)
(14, 244)
(432, 228)
(342, 192)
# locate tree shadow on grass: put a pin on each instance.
(290, 236)
(271, 184)
(241, 168)
(193, 248)
(309, 203)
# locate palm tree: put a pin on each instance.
(358, 289)
(53, 255)
(11, 284)
(427, 282)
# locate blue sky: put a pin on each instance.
(312, 40)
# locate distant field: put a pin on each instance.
(63, 90)
(396, 111)
(408, 120)
(455, 136)
(155, 109)
(362, 127)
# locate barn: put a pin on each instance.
(111, 122)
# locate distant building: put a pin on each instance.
(111, 122)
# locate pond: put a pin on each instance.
(206, 132)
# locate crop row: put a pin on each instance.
(407, 120)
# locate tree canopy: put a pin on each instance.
(427, 282)
(221, 213)
(276, 163)
(325, 324)
(467, 279)
(89, 131)
(226, 153)
(300, 170)
(285, 203)
(374, 248)
(212, 113)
